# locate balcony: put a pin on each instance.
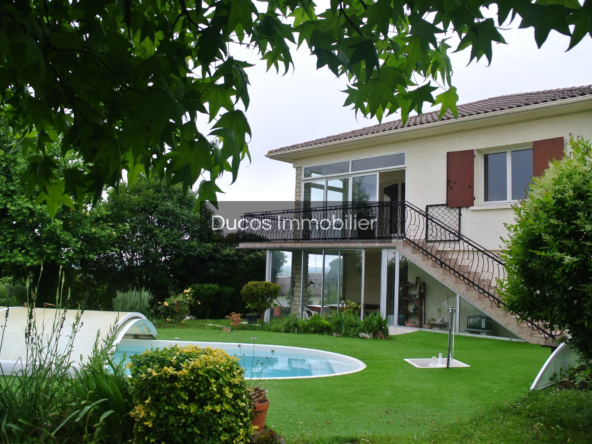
(357, 222)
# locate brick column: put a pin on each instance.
(298, 191)
(297, 280)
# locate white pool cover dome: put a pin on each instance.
(562, 358)
(94, 324)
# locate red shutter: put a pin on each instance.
(460, 179)
(543, 151)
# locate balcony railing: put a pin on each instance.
(355, 222)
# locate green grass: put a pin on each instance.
(390, 401)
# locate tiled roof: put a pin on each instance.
(470, 109)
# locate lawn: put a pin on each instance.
(390, 397)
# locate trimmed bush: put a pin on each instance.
(211, 301)
(259, 296)
(189, 394)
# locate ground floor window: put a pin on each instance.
(380, 280)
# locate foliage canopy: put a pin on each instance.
(548, 254)
(123, 81)
(165, 246)
(29, 237)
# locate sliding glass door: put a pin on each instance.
(332, 277)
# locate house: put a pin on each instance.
(408, 219)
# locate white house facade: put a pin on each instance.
(408, 220)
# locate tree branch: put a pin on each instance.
(349, 20)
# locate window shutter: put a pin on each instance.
(460, 190)
(543, 151)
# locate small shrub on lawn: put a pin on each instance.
(189, 394)
(211, 301)
(259, 296)
(176, 308)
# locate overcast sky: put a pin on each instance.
(306, 104)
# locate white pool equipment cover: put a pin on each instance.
(563, 357)
(94, 324)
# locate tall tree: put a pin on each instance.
(30, 238)
(123, 81)
(549, 252)
(168, 246)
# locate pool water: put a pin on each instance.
(261, 361)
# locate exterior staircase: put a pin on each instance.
(465, 267)
(480, 300)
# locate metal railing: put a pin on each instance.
(465, 259)
(446, 215)
(355, 222)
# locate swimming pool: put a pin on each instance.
(262, 361)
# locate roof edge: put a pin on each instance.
(281, 155)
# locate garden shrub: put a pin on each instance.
(102, 395)
(376, 325)
(352, 325)
(547, 255)
(259, 296)
(212, 301)
(133, 300)
(576, 377)
(337, 322)
(176, 308)
(353, 308)
(12, 295)
(189, 394)
(317, 324)
(290, 324)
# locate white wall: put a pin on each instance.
(426, 164)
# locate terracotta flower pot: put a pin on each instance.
(260, 415)
(234, 323)
(277, 311)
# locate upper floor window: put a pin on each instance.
(374, 163)
(356, 165)
(506, 175)
(326, 170)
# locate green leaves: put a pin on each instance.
(53, 196)
(366, 52)
(545, 18)
(479, 38)
(116, 83)
(448, 101)
(242, 11)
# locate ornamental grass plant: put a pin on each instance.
(45, 398)
(133, 301)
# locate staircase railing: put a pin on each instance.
(464, 258)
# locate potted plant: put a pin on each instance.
(259, 296)
(260, 405)
(277, 310)
(235, 319)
